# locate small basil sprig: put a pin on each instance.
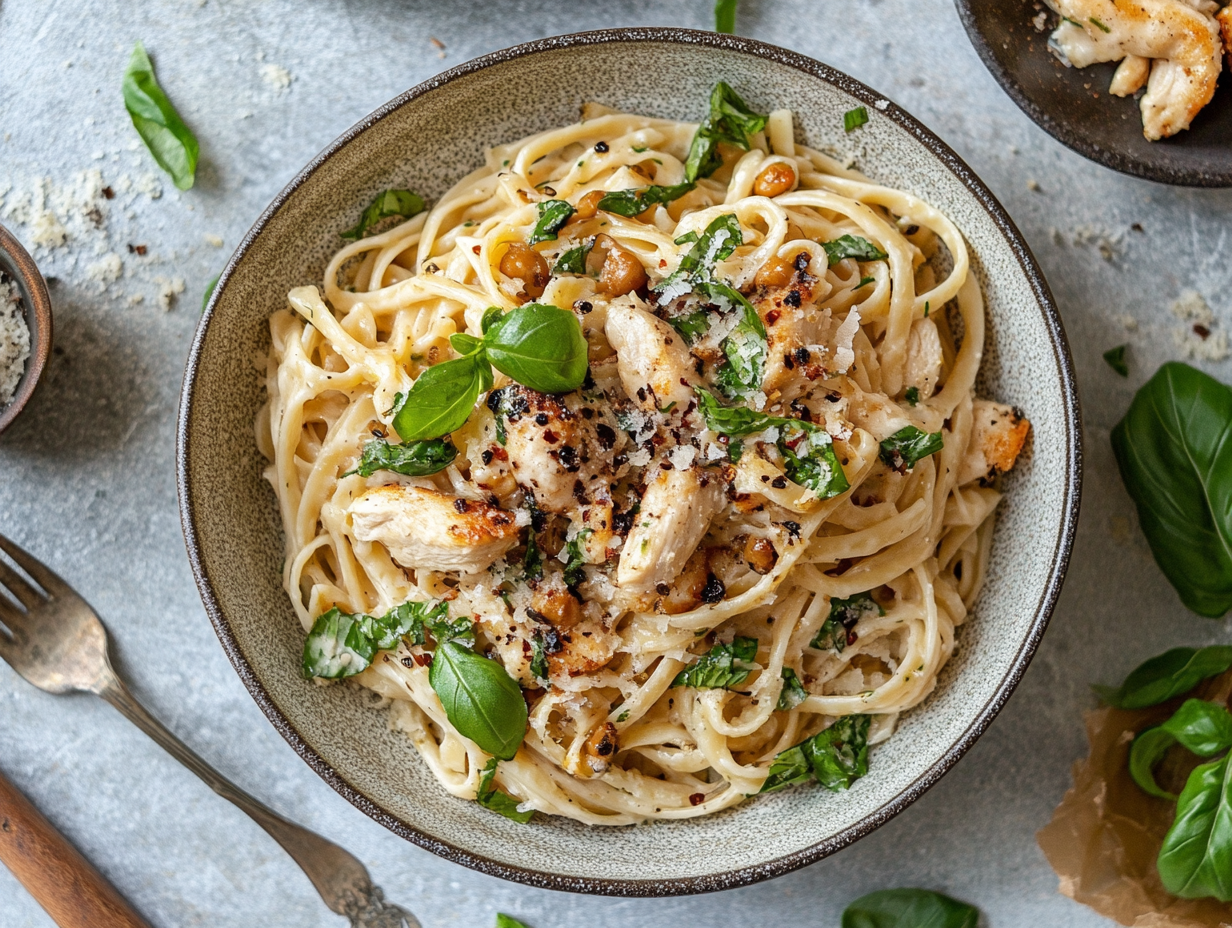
(1198, 726)
(716, 243)
(730, 120)
(723, 667)
(909, 908)
(1174, 452)
(158, 123)
(500, 802)
(908, 446)
(725, 16)
(537, 345)
(745, 349)
(480, 699)
(343, 644)
(793, 692)
(553, 214)
(692, 326)
(836, 757)
(1167, 675)
(852, 246)
(631, 203)
(413, 459)
(573, 261)
(389, 203)
(844, 614)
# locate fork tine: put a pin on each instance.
(16, 586)
(10, 616)
(42, 575)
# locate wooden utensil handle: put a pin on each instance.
(56, 875)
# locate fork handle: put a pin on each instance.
(62, 881)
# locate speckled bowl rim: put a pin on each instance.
(16, 261)
(745, 875)
(1076, 141)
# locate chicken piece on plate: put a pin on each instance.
(675, 515)
(924, 358)
(1181, 37)
(785, 302)
(655, 366)
(998, 433)
(427, 530)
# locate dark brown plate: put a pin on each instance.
(1074, 105)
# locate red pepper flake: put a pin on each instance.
(137, 249)
(697, 799)
(423, 660)
(1201, 331)
(109, 193)
(475, 249)
(772, 317)
(437, 42)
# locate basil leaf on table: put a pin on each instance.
(413, 459)
(629, 203)
(1147, 751)
(389, 203)
(508, 921)
(730, 120)
(1195, 860)
(844, 614)
(725, 16)
(553, 214)
(908, 446)
(1167, 675)
(836, 757)
(500, 802)
(158, 123)
(1198, 726)
(793, 692)
(852, 246)
(442, 398)
(480, 699)
(539, 346)
(1116, 360)
(724, 666)
(1174, 451)
(337, 646)
(909, 908)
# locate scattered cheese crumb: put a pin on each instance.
(14, 340)
(882, 105)
(168, 290)
(1033, 184)
(682, 457)
(150, 185)
(215, 240)
(1195, 339)
(639, 458)
(1192, 307)
(1040, 22)
(106, 270)
(276, 76)
(1130, 323)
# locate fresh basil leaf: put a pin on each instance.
(843, 617)
(908, 446)
(730, 120)
(723, 667)
(1148, 749)
(836, 757)
(725, 16)
(443, 398)
(745, 351)
(169, 140)
(573, 261)
(553, 214)
(490, 315)
(793, 692)
(480, 699)
(1195, 860)
(389, 203)
(413, 459)
(532, 561)
(912, 396)
(501, 802)
(1201, 727)
(1167, 675)
(539, 346)
(852, 246)
(508, 921)
(735, 449)
(337, 646)
(812, 462)
(855, 118)
(209, 292)
(691, 326)
(1116, 360)
(733, 421)
(631, 203)
(414, 620)
(576, 557)
(1174, 450)
(909, 908)
(465, 344)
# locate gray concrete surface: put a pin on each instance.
(86, 475)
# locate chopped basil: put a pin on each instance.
(745, 350)
(729, 120)
(341, 644)
(793, 692)
(1166, 676)
(836, 757)
(1098, 25)
(725, 16)
(909, 908)
(692, 326)
(543, 642)
(723, 667)
(158, 123)
(501, 802)
(715, 244)
(465, 344)
(553, 214)
(844, 614)
(480, 699)
(908, 446)
(575, 551)
(532, 561)
(1116, 360)
(572, 261)
(810, 460)
(852, 246)
(912, 396)
(412, 459)
(864, 281)
(389, 203)
(634, 202)
(733, 421)
(854, 119)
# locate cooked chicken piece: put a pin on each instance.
(924, 357)
(998, 433)
(785, 302)
(1130, 77)
(559, 448)
(655, 367)
(1224, 17)
(585, 648)
(676, 511)
(875, 414)
(1181, 36)
(427, 530)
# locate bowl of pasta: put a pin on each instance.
(650, 428)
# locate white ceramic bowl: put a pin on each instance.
(426, 139)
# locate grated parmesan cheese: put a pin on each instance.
(14, 340)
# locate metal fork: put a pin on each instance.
(53, 638)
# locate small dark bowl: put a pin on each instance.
(1075, 108)
(16, 262)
